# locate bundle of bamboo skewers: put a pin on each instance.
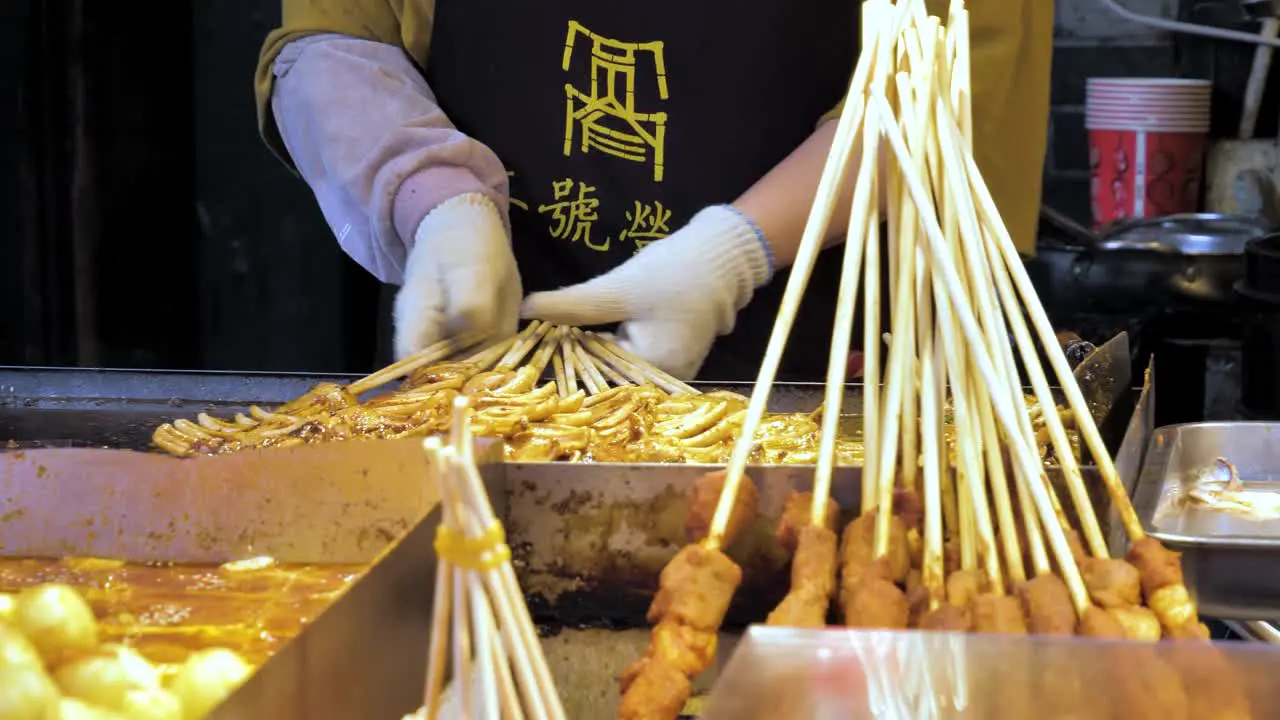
(601, 403)
(978, 542)
(483, 642)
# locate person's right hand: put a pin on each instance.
(460, 277)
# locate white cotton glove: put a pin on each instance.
(675, 296)
(460, 277)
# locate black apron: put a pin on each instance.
(619, 121)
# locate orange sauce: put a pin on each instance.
(166, 612)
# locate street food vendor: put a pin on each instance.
(644, 163)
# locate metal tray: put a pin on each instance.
(1231, 563)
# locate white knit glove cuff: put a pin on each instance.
(715, 263)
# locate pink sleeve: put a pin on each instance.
(365, 132)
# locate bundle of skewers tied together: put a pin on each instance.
(972, 540)
(484, 660)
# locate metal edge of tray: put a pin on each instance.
(1231, 577)
(589, 541)
(33, 387)
(366, 654)
(120, 408)
(1131, 455)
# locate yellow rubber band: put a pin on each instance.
(487, 552)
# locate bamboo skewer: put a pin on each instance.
(633, 368)
(1024, 455)
(434, 353)
(833, 175)
(487, 606)
(837, 363)
(1040, 321)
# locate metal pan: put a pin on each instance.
(1229, 560)
(121, 408)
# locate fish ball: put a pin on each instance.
(27, 693)
(57, 620)
(206, 679)
(17, 652)
(74, 709)
(8, 602)
(152, 704)
(106, 677)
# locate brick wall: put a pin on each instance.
(1091, 41)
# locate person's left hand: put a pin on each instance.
(675, 296)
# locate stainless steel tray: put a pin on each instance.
(1231, 562)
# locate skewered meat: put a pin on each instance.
(1112, 583)
(702, 507)
(814, 562)
(695, 588)
(1000, 614)
(1191, 631)
(796, 515)
(873, 601)
(1162, 585)
(963, 586)
(694, 592)
(859, 541)
(1139, 623)
(1158, 566)
(1098, 623)
(813, 576)
(946, 618)
(1047, 605)
(687, 649)
(652, 690)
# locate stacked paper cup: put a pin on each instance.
(1146, 145)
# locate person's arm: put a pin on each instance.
(779, 203)
(364, 130)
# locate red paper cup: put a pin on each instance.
(1147, 122)
(1137, 173)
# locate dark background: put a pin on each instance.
(146, 225)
